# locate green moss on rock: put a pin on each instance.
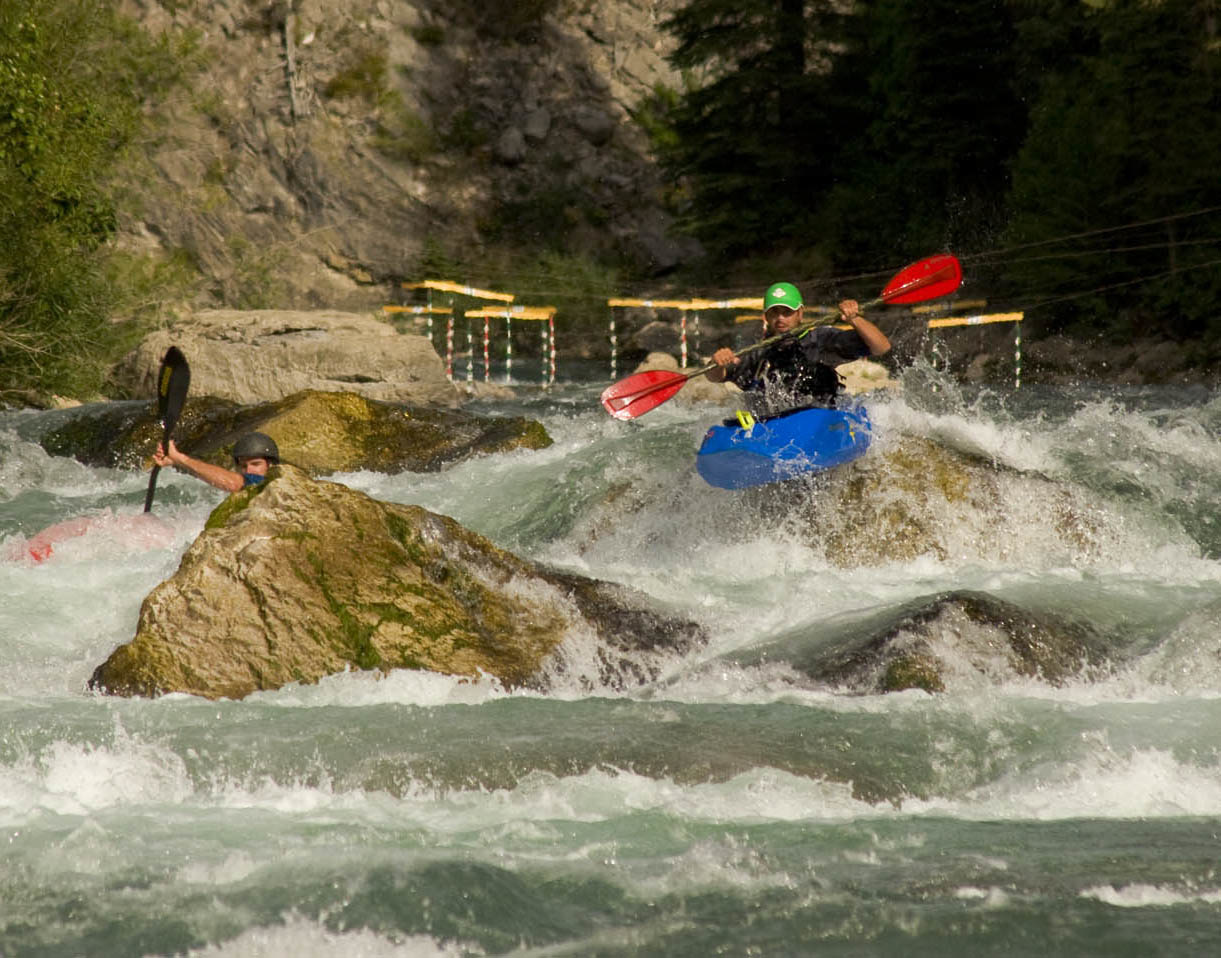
(913, 672)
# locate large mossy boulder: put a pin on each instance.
(294, 579)
(322, 432)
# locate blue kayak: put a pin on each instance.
(784, 446)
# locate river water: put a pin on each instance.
(720, 810)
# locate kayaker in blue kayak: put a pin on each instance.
(798, 369)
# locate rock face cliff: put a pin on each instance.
(325, 150)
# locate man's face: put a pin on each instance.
(781, 319)
(256, 466)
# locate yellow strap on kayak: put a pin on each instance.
(746, 420)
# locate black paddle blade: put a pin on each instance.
(172, 385)
(173, 381)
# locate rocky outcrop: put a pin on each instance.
(912, 497)
(327, 149)
(293, 580)
(253, 356)
(317, 431)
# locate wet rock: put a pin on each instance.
(965, 637)
(322, 432)
(295, 579)
(911, 496)
(953, 640)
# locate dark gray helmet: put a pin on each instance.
(256, 445)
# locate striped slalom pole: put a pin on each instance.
(449, 347)
(551, 337)
(508, 349)
(487, 349)
(614, 346)
(1017, 355)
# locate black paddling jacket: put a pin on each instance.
(800, 368)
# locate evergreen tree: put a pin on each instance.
(1124, 134)
(943, 123)
(757, 134)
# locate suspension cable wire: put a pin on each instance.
(1101, 231)
(1130, 282)
(1111, 250)
(539, 283)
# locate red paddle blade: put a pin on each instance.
(641, 392)
(925, 280)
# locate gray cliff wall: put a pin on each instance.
(325, 147)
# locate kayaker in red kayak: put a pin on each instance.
(253, 455)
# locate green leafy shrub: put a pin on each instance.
(73, 77)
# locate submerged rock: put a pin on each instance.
(957, 639)
(295, 579)
(322, 432)
(912, 497)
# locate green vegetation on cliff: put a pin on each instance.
(74, 76)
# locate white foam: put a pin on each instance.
(356, 689)
(991, 897)
(304, 937)
(1023, 447)
(1144, 783)
(72, 779)
(1150, 896)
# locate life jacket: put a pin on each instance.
(816, 380)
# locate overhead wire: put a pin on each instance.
(539, 283)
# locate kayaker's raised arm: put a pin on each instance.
(253, 454)
(875, 339)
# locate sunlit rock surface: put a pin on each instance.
(263, 355)
(295, 579)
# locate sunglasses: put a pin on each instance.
(779, 312)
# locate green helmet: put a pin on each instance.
(781, 294)
(256, 445)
